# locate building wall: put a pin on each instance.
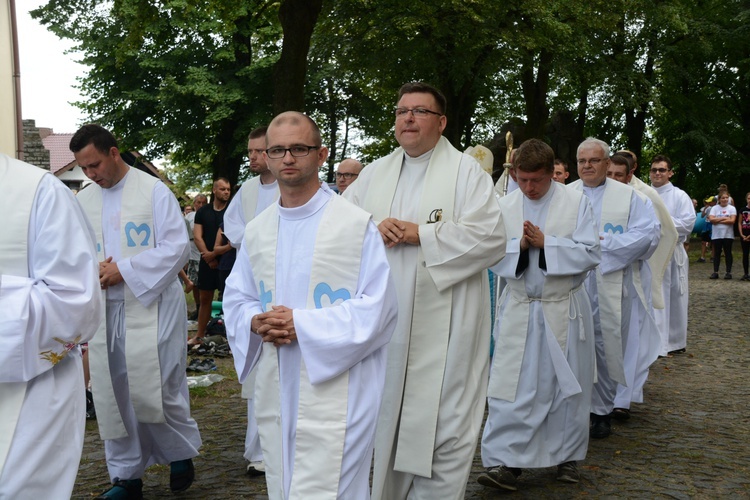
(7, 90)
(34, 151)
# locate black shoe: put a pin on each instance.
(90, 410)
(567, 472)
(714, 276)
(500, 477)
(701, 260)
(601, 426)
(746, 277)
(678, 351)
(621, 413)
(182, 474)
(129, 489)
(728, 276)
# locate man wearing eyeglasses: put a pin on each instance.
(672, 320)
(311, 303)
(255, 195)
(440, 220)
(346, 173)
(627, 229)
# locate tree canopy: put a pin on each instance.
(189, 80)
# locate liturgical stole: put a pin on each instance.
(559, 303)
(614, 220)
(322, 408)
(250, 195)
(431, 317)
(137, 234)
(14, 261)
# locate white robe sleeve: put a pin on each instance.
(576, 255)
(683, 216)
(622, 249)
(455, 251)
(334, 339)
(61, 299)
(151, 271)
(234, 220)
(241, 303)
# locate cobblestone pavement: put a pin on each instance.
(690, 439)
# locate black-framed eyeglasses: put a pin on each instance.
(345, 175)
(659, 170)
(416, 112)
(277, 153)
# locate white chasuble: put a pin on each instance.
(252, 198)
(136, 234)
(322, 408)
(557, 299)
(430, 324)
(14, 261)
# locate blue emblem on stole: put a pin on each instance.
(265, 296)
(609, 228)
(130, 227)
(325, 289)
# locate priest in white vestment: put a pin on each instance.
(254, 196)
(49, 304)
(644, 341)
(138, 358)
(672, 320)
(627, 229)
(542, 370)
(440, 220)
(311, 303)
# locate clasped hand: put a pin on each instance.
(532, 236)
(109, 274)
(276, 325)
(395, 232)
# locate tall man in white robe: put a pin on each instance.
(543, 367)
(138, 358)
(254, 196)
(49, 303)
(310, 301)
(644, 341)
(439, 217)
(672, 320)
(627, 228)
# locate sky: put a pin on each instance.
(48, 75)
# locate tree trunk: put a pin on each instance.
(298, 18)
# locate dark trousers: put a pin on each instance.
(745, 254)
(723, 244)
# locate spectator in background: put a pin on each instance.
(743, 225)
(195, 255)
(708, 203)
(207, 222)
(723, 217)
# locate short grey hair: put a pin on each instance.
(593, 141)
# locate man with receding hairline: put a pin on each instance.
(311, 304)
(438, 216)
(346, 173)
(627, 230)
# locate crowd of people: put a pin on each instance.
(359, 319)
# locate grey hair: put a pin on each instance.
(593, 141)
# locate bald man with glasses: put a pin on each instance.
(346, 173)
